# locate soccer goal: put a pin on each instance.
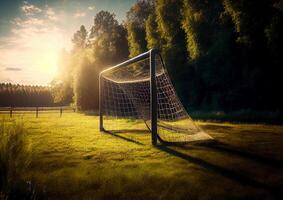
(140, 89)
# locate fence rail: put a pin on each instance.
(22, 110)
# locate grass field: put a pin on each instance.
(71, 159)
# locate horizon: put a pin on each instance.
(32, 33)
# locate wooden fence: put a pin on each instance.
(37, 110)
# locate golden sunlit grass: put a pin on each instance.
(71, 159)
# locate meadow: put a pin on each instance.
(71, 159)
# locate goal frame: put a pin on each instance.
(151, 54)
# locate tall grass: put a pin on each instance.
(14, 160)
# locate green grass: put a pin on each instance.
(71, 159)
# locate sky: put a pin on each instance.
(33, 32)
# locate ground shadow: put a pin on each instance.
(228, 149)
(115, 134)
(233, 175)
(231, 150)
(213, 144)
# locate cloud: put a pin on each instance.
(50, 13)
(27, 21)
(91, 8)
(13, 69)
(36, 37)
(79, 14)
(29, 9)
(29, 25)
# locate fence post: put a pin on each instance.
(11, 112)
(36, 112)
(61, 111)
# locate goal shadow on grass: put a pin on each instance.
(230, 150)
(230, 174)
(212, 145)
(117, 134)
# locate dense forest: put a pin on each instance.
(25, 95)
(222, 55)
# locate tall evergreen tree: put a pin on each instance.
(152, 35)
(136, 19)
(168, 16)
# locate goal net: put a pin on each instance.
(126, 96)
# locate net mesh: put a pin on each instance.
(126, 97)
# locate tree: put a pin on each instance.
(136, 39)
(62, 85)
(273, 32)
(152, 35)
(221, 55)
(108, 37)
(79, 38)
(209, 41)
(168, 18)
(250, 19)
(85, 83)
(105, 46)
(274, 36)
(169, 23)
(200, 22)
(135, 23)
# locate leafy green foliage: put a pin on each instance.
(252, 21)
(86, 82)
(103, 46)
(248, 20)
(221, 55)
(136, 20)
(152, 35)
(200, 22)
(136, 39)
(108, 40)
(173, 47)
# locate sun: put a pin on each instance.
(45, 61)
(43, 56)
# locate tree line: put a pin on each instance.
(16, 95)
(220, 54)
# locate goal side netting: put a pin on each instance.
(125, 95)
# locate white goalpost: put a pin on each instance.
(140, 89)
